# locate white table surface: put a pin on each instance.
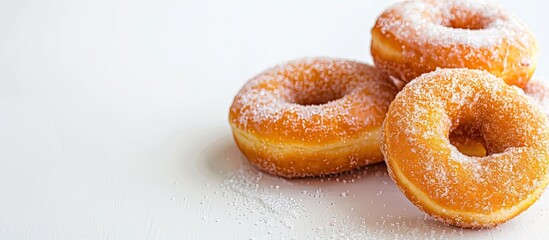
(113, 124)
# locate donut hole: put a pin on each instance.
(469, 141)
(316, 98)
(462, 19)
(470, 24)
(315, 89)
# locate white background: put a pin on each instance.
(113, 123)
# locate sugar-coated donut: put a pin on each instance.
(415, 37)
(312, 117)
(463, 190)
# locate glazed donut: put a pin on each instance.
(312, 117)
(415, 37)
(448, 185)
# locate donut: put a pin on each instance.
(312, 117)
(415, 37)
(461, 190)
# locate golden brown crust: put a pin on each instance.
(454, 188)
(312, 117)
(416, 37)
(296, 160)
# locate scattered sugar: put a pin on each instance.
(276, 210)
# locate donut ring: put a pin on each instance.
(415, 37)
(312, 117)
(454, 188)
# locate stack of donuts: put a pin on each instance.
(449, 107)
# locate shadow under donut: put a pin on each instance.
(363, 203)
